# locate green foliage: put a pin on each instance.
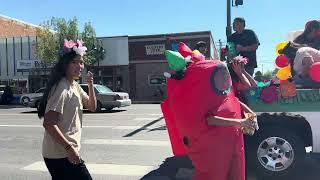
(53, 33)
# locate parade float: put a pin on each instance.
(288, 117)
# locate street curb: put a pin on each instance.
(146, 102)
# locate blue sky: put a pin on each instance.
(270, 19)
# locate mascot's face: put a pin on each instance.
(220, 80)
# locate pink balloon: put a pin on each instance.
(282, 61)
(184, 50)
(315, 72)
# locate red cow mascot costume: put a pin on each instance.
(197, 90)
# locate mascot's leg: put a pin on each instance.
(237, 169)
(214, 160)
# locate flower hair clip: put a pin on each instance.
(77, 47)
(240, 59)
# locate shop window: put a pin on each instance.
(157, 80)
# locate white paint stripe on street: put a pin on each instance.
(156, 114)
(127, 142)
(15, 125)
(19, 114)
(130, 127)
(105, 169)
(146, 119)
(98, 127)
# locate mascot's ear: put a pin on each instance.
(220, 80)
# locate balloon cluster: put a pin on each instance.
(284, 72)
(282, 62)
(187, 53)
(178, 60)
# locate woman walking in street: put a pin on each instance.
(61, 108)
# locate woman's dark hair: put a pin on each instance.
(301, 39)
(57, 73)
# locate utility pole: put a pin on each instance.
(236, 3)
(228, 28)
(220, 45)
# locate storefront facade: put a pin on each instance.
(113, 70)
(17, 57)
(133, 64)
(148, 63)
(17, 62)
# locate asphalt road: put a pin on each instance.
(125, 144)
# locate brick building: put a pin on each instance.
(10, 27)
(17, 39)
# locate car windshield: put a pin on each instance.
(103, 89)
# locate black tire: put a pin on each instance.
(98, 109)
(38, 105)
(25, 100)
(278, 135)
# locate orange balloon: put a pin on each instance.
(284, 73)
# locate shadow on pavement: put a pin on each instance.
(169, 168)
(142, 128)
(103, 111)
(30, 112)
(310, 170)
(84, 111)
(161, 128)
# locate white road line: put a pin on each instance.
(130, 127)
(146, 119)
(16, 125)
(156, 114)
(105, 169)
(127, 142)
(98, 127)
(19, 114)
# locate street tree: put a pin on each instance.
(51, 36)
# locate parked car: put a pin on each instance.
(35, 102)
(108, 99)
(25, 98)
(2, 87)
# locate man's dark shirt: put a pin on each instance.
(246, 38)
